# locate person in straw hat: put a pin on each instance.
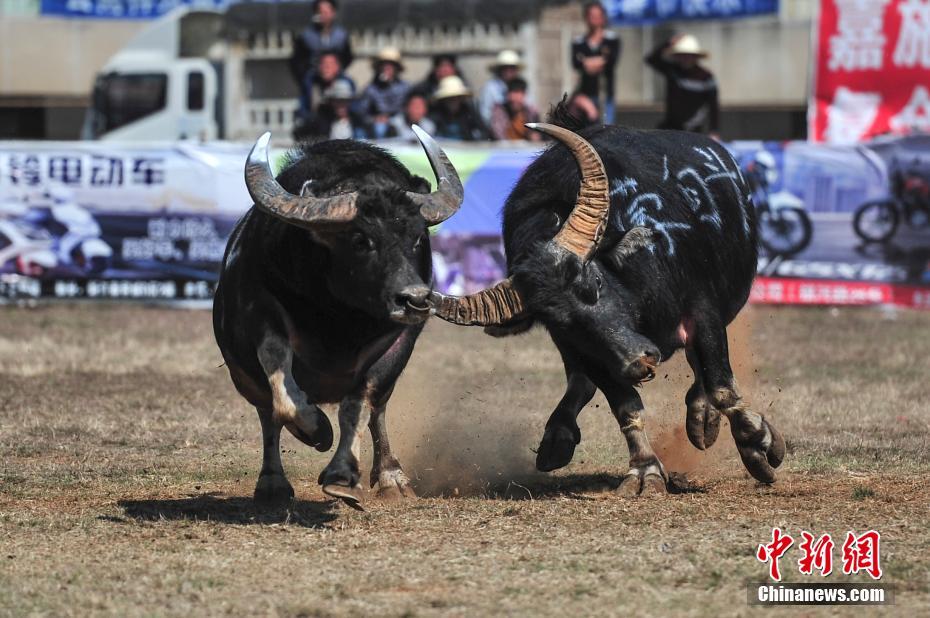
(454, 114)
(506, 66)
(334, 118)
(384, 96)
(691, 100)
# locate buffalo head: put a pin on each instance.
(376, 239)
(580, 302)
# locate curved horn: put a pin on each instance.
(585, 226)
(449, 194)
(304, 211)
(495, 305)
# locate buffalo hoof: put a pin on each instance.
(352, 496)
(340, 480)
(702, 423)
(557, 447)
(312, 427)
(273, 490)
(760, 445)
(394, 485)
(647, 478)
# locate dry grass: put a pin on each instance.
(128, 463)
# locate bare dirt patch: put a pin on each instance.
(128, 465)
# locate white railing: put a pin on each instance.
(480, 38)
(275, 115)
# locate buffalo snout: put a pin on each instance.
(412, 304)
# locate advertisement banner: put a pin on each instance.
(634, 12)
(871, 70)
(837, 224)
(126, 9)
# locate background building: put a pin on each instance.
(48, 64)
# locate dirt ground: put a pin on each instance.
(128, 464)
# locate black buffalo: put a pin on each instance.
(628, 245)
(322, 294)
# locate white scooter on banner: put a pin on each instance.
(76, 233)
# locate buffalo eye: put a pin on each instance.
(361, 243)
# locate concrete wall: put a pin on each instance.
(56, 57)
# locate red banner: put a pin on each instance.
(768, 290)
(872, 71)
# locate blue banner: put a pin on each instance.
(125, 9)
(630, 12)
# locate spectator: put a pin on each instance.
(508, 118)
(454, 113)
(323, 36)
(384, 96)
(334, 118)
(415, 110)
(506, 67)
(595, 56)
(691, 102)
(444, 65)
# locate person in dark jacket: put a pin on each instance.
(691, 98)
(454, 112)
(595, 56)
(334, 118)
(444, 65)
(325, 35)
(384, 96)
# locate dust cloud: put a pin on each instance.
(470, 410)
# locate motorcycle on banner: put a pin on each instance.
(784, 226)
(876, 221)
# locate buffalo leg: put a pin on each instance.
(273, 486)
(702, 420)
(385, 469)
(562, 433)
(290, 407)
(760, 445)
(341, 476)
(646, 474)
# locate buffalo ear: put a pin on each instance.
(420, 185)
(514, 327)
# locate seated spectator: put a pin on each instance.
(327, 73)
(415, 110)
(384, 96)
(444, 65)
(454, 113)
(334, 118)
(506, 67)
(508, 118)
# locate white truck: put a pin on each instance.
(164, 85)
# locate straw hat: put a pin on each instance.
(339, 90)
(392, 55)
(451, 86)
(688, 45)
(507, 58)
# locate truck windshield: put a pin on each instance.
(120, 99)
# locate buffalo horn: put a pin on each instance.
(304, 211)
(442, 203)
